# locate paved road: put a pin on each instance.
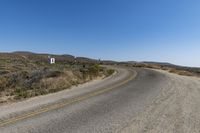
(107, 111)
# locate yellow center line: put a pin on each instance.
(64, 103)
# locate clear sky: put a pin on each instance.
(141, 30)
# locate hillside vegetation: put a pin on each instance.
(24, 75)
(180, 70)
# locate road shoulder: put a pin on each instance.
(175, 109)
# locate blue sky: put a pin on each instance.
(141, 30)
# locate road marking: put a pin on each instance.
(64, 103)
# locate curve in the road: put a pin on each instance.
(106, 111)
(67, 102)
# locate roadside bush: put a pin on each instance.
(94, 70)
(2, 72)
(110, 72)
(3, 83)
(52, 74)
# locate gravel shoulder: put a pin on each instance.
(175, 110)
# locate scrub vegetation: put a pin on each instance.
(24, 75)
(180, 70)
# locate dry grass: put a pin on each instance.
(186, 71)
(25, 76)
(181, 72)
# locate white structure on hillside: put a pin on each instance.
(52, 60)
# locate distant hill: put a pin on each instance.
(160, 63)
(26, 56)
(43, 57)
(182, 70)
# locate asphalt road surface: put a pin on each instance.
(121, 103)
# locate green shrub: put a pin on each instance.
(110, 72)
(94, 70)
(3, 83)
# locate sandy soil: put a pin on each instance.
(175, 110)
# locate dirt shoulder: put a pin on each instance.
(175, 110)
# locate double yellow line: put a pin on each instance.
(64, 103)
